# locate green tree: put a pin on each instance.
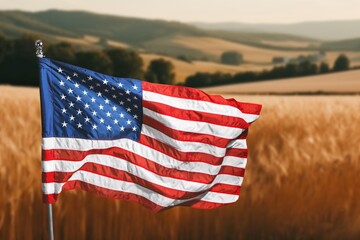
(324, 67)
(232, 58)
(126, 63)
(160, 71)
(342, 63)
(62, 52)
(199, 79)
(97, 61)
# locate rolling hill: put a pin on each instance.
(334, 83)
(323, 30)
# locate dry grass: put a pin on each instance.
(216, 47)
(185, 69)
(290, 44)
(301, 182)
(342, 82)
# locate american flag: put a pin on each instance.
(157, 145)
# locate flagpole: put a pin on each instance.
(40, 54)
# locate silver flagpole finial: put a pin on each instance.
(39, 49)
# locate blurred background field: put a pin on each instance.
(301, 180)
(300, 61)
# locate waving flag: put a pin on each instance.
(154, 144)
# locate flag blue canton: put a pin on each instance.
(90, 105)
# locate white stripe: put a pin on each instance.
(195, 126)
(183, 146)
(123, 165)
(135, 147)
(234, 162)
(198, 105)
(117, 185)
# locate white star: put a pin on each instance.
(70, 90)
(87, 105)
(105, 81)
(114, 96)
(128, 122)
(64, 124)
(101, 107)
(62, 83)
(75, 74)
(128, 99)
(78, 98)
(135, 98)
(90, 78)
(106, 90)
(83, 81)
(114, 108)
(116, 121)
(135, 87)
(135, 106)
(87, 119)
(68, 78)
(135, 116)
(127, 92)
(71, 104)
(91, 87)
(121, 103)
(94, 113)
(72, 118)
(108, 127)
(122, 128)
(121, 115)
(99, 94)
(85, 92)
(107, 101)
(102, 120)
(120, 85)
(60, 70)
(128, 109)
(94, 126)
(79, 112)
(98, 84)
(79, 125)
(112, 88)
(93, 99)
(108, 114)
(63, 97)
(134, 129)
(77, 85)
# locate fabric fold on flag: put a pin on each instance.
(157, 145)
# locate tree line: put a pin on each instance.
(304, 68)
(19, 66)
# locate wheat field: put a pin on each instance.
(302, 180)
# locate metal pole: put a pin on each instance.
(40, 54)
(50, 222)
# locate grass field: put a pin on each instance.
(338, 83)
(255, 55)
(184, 69)
(301, 180)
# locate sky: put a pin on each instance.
(249, 11)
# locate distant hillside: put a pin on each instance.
(99, 30)
(326, 30)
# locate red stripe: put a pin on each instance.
(196, 94)
(190, 156)
(197, 116)
(103, 192)
(152, 143)
(61, 177)
(186, 136)
(74, 155)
